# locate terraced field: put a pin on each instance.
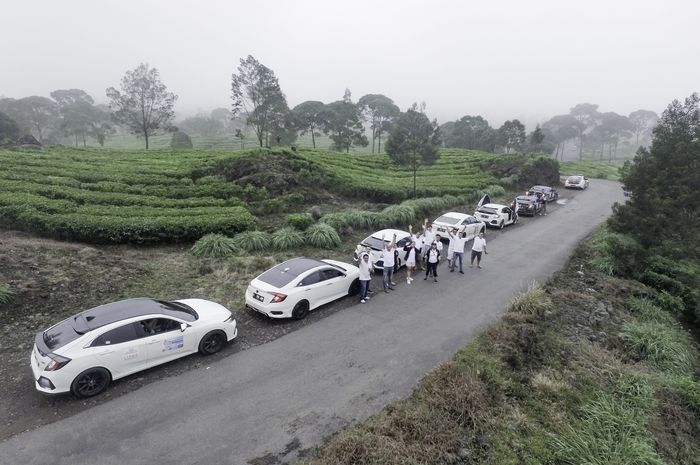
(112, 196)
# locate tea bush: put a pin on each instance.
(300, 221)
(214, 245)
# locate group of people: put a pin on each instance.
(422, 251)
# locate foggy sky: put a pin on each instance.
(500, 59)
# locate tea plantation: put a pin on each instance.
(110, 196)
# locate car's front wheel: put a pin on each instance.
(301, 309)
(90, 382)
(212, 342)
(354, 288)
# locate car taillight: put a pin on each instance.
(57, 362)
(277, 297)
(229, 319)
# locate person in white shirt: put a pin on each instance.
(428, 237)
(478, 247)
(388, 258)
(460, 241)
(432, 257)
(451, 233)
(419, 245)
(365, 266)
(410, 259)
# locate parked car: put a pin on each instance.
(461, 221)
(577, 181)
(293, 288)
(550, 194)
(529, 205)
(496, 215)
(374, 245)
(84, 353)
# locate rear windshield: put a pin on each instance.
(488, 210)
(447, 220)
(574, 179)
(60, 334)
(374, 243)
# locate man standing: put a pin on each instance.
(478, 247)
(388, 257)
(365, 266)
(428, 237)
(460, 241)
(432, 257)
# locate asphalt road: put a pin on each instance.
(266, 404)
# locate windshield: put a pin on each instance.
(487, 210)
(179, 309)
(59, 335)
(447, 220)
(525, 200)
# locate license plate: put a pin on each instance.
(258, 297)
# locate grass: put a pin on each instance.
(287, 238)
(253, 241)
(592, 169)
(6, 293)
(534, 301)
(214, 245)
(662, 346)
(322, 236)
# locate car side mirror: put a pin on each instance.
(183, 327)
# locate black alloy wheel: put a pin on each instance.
(90, 382)
(301, 309)
(212, 342)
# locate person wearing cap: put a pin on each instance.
(432, 257)
(478, 247)
(365, 266)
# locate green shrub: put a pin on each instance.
(670, 303)
(180, 140)
(688, 390)
(214, 245)
(323, 236)
(361, 219)
(664, 347)
(287, 238)
(253, 241)
(315, 212)
(300, 221)
(534, 301)
(646, 310)
(397, 215)
(6, 293)
(337, 220)
(495, 190)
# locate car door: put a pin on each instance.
(121, 350)
(334, 284)
(506, 215)
(470, 227)
(311, 289)
(165, 339)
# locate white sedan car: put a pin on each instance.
(296, 286)
(496, 215)
(460, 221)
(85, 352)
(577, 181)
(374, 245)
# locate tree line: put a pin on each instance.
(143, 106)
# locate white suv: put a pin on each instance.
(460, 221)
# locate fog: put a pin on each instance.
(500, 59)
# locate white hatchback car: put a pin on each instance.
(496, 215)
(374, 245)
(84, 353)
(577, 181)
(460, 221)
(292, 288)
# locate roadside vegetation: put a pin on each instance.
(600, 365)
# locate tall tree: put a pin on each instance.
(663, 182)
(309, 118)
(642, 121)
(144, 104)
(512, 135)
(611, 129)
(587, 115)
(562, 128)
(342, 121)
(38, 115)
(257, 96)
(414, 140)
(380, 111)
(472, 132)
(77, 113)
(9, 130)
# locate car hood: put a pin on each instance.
(207, 310)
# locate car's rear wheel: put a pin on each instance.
(354, 287)
(212, 342)
(502, 225)
(90, 382)
(301, 309)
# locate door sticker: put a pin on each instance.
(131, 354)
(174, 343)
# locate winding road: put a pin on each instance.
(267, 404)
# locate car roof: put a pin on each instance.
(458, 215)
(493, 205)
(526, 197)
(121, 310)
(539, 187)
(389, 233)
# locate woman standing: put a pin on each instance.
(432, 257)
(410, 259)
